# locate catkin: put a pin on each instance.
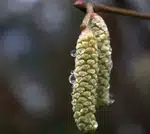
(101, 33)
(85, 85)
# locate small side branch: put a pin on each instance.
(89, 12)
(80, 4)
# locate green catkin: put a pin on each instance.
(85, 85)
(101, 33)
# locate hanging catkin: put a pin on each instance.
(85, 84)
(101, 33)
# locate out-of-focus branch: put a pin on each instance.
(80, 4)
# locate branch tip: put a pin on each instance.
(79, 3)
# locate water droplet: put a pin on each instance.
(111, 99)
(73, 53)
(111, 64)
(72, 77)
(108, 87)
(72, 72)
(95, 125)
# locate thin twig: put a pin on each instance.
(90, 11)
(80, 4)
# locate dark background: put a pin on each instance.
(36, 37)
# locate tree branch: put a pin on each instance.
(80, 4)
